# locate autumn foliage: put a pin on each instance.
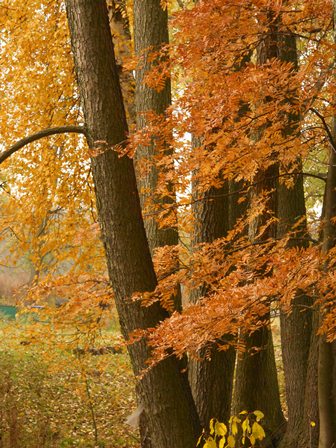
(248, 118)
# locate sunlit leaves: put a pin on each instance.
(48, 208)
(229, 436)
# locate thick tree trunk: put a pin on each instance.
(171, 413)
(211, 378)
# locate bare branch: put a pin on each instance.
(44, 133)
(326, 127)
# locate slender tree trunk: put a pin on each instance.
(122, 41)
(327, 351)
(172, 418)
(150, 35)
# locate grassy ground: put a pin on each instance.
(51, 396)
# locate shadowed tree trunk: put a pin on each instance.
(150, 34)
(211, 379)
(296, 327)
(327, 351)
(215, 213)
(256, 386)
(171, 414)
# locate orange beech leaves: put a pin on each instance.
(239, 111)
(242, 113)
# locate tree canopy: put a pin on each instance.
(186, 174)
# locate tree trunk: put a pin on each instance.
(211, 378)
(296, 327)
(122, 41)
(171, 413)
(309, 434)
(327, 351)
(150, 34)
(256, 386)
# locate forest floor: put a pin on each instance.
(53, 396)
(68, 389)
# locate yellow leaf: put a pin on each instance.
(221, 443)
(259, 415)
(246, 426)
(231, 441)
(200, 439)
(234, 428)
(212, 429)
(220, 429)
(243, 412)
(312, 424)
(258, 431)
(252, 440)
(210, 443)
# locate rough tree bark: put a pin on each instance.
(211, 378)
(150, 34)
(171, 413)
(256, 385)
(296, 327)
(217, 212)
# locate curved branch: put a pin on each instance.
(44, 133)
(326, 127)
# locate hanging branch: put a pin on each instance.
(41, 134)
(326, 127)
